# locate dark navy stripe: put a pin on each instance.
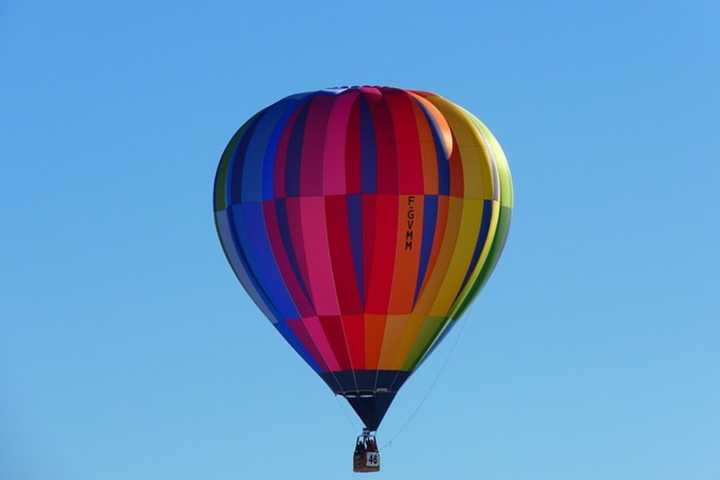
(234, 185)
(443, 160)
(430, 207)
(290, 105)
(481, 240)
(360, 380)
(355, 223)
(283, 223)
(368, 152)
(294, 154)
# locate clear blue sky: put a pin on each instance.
(129, 351)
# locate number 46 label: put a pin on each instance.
(372, 459)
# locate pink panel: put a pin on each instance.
(317, 251)
(317, 334)
(334, 165)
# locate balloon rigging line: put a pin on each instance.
(410, 418)
(344, 412)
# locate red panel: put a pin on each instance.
(386, 156)
(407, 142)
(333, 328)
(341, 254)
(380, 272)
(313, 148)
(457, 186)
(294, 225)
(301, 333)
(374, 332)
(355, 334)
(353, 166)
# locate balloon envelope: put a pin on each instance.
(362, 221)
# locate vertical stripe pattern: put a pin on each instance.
(362, 221)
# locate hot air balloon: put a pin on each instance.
(363, 221)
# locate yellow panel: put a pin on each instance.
(437, 276)
(408, 338)
(479, 174)
(390, 358)
(430, 329)
(498, 155)
(483, 256)
(461, 256)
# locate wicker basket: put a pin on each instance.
(366, 462)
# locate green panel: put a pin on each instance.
(498, 243)
(425, 346)
(500, 160)
(430, 330)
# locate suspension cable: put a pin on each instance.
(345, 413)
(409, 419)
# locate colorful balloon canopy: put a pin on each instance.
(362, 221)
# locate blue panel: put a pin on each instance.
(235, 170)
(429, 225)
(260, 143)
(290, 106)
(297, 345)
(239, 264)
(250, 230)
